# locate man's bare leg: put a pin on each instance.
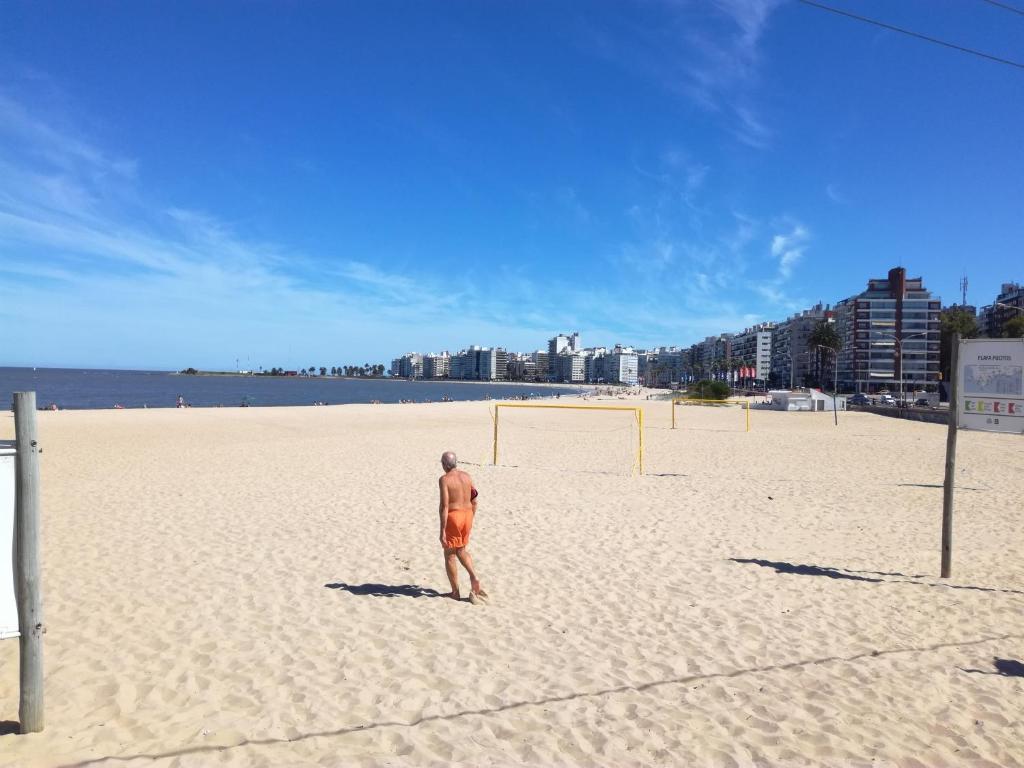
(467, 562)
(451, 567)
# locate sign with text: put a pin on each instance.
(991, 385)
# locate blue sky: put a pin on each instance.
(191, 183)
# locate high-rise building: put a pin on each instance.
(570, 368)
(621, 366)
(890, 335)
(559, 344)
(752, 349)
(437, 366)
(790, 358)
(492, 364)
(1008, 303)
(408, 366)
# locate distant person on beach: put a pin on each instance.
(457, 509)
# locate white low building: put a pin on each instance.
(805, 400)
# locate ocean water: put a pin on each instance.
(79, 388)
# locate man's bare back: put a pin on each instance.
(458, 486)
(457, 509)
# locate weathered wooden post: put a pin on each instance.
(27, 582)
(950, 479)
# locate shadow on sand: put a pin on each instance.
(385, 590)
(8, 727)
(842, 573)
(539, 702)
(1004, 668)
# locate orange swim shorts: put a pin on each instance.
(458, 528)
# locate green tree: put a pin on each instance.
(953, 321)
(323, 370)
(709, 390)
(1014, 327)
(824, 335)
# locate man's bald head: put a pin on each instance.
(448, 461)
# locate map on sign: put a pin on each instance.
(992, 380)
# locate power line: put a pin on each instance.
(1005, 6)
(918, 35)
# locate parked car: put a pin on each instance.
(886, 400)
(858, 399)
(923, 402)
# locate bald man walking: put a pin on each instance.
(457, 508)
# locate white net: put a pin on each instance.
(567, 440)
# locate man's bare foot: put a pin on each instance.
(476, 589)
(454, 595)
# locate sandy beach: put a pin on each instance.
(257, 587)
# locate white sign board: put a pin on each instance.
(991, 385)
(8, 607)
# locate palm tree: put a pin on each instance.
(824, 335)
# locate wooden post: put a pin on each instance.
(673, 413)
(950, 479)
(27, 586)
(495, 435)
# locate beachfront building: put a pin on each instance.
(1009, 303)
(570, 367)
(890, 335)
(594, 362)
(711, 357)
(492, 364)
(437, 366)
(560, 344)
(523, 367)
(620, 366)
(791, 362)
(662, 367)
(751, 352)
(408, 366)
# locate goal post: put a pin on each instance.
(690, 401)
(637, 412)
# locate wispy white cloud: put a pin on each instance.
(834, 194)
(708, 52)
(789, 248)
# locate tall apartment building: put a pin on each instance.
(661, 367)
(437, 366)
(492, 364)
(753, 348)
(710, 356)
(408, 366)
(1008, 303)
(621, 366)
(791, 360)
(570, 367)
(559, 344)
(542, 362)
(594, 363)
(890, 335)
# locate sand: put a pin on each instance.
(254, 587)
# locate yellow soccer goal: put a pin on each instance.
(744, 404)
(584, 432)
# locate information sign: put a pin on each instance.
(991, 385)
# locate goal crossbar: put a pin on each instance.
(699, 401)
(639, 412)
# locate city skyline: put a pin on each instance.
(188, 188)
